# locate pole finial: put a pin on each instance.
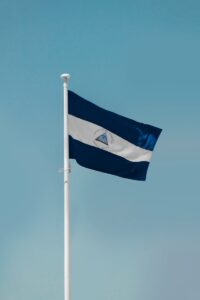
(65, 77)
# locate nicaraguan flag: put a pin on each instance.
(104, 141)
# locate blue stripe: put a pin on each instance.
(141, 135)
(103, 161)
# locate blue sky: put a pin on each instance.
(130, 240)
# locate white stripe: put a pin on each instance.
(86, 132)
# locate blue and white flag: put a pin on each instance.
(104, 141)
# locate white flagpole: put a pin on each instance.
(65, 78)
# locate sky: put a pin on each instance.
(129, 240)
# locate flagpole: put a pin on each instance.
(65, 78)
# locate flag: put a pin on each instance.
(107, 142)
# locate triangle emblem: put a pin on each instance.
(103, 139)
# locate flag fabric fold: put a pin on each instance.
(107, 142)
